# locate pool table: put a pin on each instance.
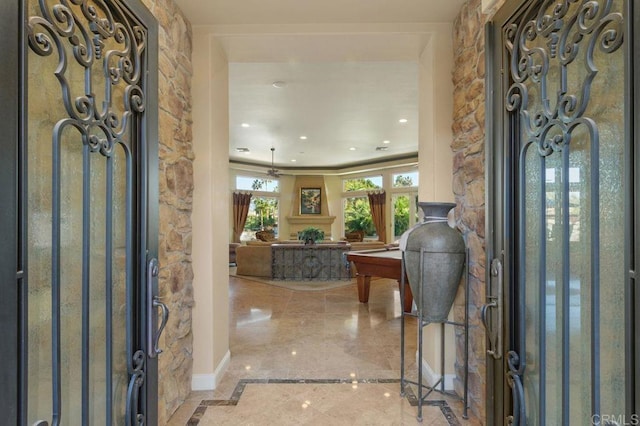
(385, 263)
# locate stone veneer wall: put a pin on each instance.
(176, 191)
(469, 185)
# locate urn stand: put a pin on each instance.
(436, 260)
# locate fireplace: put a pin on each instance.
(299, 219)
(298, 223)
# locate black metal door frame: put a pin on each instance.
(13, 109)
(500, 226)
(10, 19)
(632, 207)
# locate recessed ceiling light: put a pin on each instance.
(402, 120)
(385, 142)
(293, 160)
(245, 125)
(242, 149)
(353, 148)
(303, 137)
(278, 84)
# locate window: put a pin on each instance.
(362, 184)
(263, 214)
(405, 180)
(357, 216)
(404, 201)
(263, 211)
(246, 183)
(356, 209)
(404, 212)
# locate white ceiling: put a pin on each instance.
(337, 106)
(349, 76)
(225, 12)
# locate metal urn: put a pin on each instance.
(434, 256)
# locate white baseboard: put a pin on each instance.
(201, 382)
(430, 377)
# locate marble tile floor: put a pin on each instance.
(316, 357)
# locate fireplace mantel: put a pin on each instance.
(299, 222)
(311, 220)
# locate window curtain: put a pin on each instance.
(241, 203)
(377, 203)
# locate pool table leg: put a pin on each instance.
(364, 284)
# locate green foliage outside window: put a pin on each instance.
(401, 205)
(263, 185)
(402, 181)
(361, 184)
(401, 208)
(357, 212)
(263, 214)
(357, 216)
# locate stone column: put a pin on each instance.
(469, 184)
(176, 191)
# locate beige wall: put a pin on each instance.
(211, 198)
(333, 184)
(435, 114)
(436, 160)
(287, 195)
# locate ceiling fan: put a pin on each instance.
(273, 172)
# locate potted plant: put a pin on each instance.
(311, 234)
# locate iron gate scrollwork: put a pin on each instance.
(101, 126)
(591, 25)
(137, 375)
(542, 45)
(101, 49)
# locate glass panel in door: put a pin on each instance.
(84, 79)
(566, 88)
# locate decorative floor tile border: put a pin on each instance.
(447, 412)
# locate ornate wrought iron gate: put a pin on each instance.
(561, 221)
(85, 205)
